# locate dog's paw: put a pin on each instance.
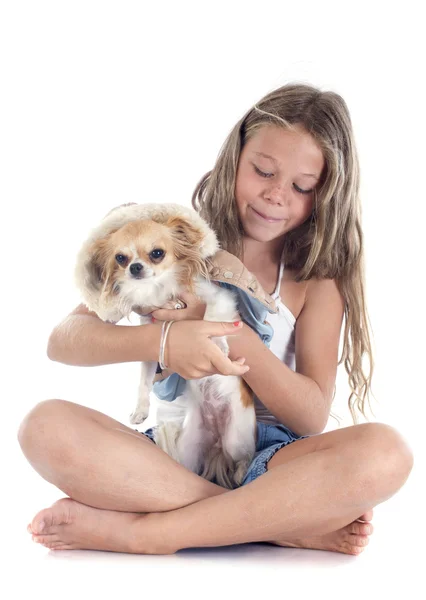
(139, 416)
(142, 405)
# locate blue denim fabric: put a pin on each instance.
(270, 439)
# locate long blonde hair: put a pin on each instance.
(327, 245)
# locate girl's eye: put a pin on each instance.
(298, 189)
(121, 259)
(269, 175)
(262, 173)
(156, 254)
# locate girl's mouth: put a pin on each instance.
(265, 217)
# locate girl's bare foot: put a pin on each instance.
(69, 525)
(351, 539)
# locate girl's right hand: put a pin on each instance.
(191, 353)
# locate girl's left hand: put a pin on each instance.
(194, 310)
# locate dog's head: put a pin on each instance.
(139, 251)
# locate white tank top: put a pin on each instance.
(282, 344)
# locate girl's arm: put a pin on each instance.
(302, 399)
(83, 339)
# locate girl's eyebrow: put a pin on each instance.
(266, 156)
(275, 161)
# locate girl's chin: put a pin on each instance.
(262, 234)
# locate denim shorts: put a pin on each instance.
(270, 439)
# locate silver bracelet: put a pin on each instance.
(164, 333)
(160, 360)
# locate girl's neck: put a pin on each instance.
(258, 254)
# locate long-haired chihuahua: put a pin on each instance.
(140, 259)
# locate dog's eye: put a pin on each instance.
(156, 254)
(121, 259)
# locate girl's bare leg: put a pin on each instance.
(314, 487)
(100, 462)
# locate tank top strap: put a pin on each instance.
(276, 294)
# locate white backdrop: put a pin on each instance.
(110, 102)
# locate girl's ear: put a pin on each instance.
(186, 235)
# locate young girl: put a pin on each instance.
(283, 199)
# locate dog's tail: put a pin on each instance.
(219, 467)
(166, 436)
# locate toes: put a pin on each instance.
(38, 524)
(360, 528)
(42, 521)
(47, 540)
(354, 544)
(359, 540)
(355, 550)
(52, 542)
(366, 516)
(58, 514)
(45, 530)
(53, 545)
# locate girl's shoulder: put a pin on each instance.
(295, 295)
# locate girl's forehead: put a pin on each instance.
(276, 145)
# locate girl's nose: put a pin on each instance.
(277, 195)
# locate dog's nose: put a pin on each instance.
(136, 269)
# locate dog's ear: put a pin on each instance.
(97, 265)
(187, 242)
(185, 234)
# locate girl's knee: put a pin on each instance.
(40, 424)
(387, 453)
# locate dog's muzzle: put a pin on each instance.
(136, 270)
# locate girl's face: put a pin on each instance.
(276, 176)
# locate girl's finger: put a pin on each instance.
(214, 328)
(225, 366)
